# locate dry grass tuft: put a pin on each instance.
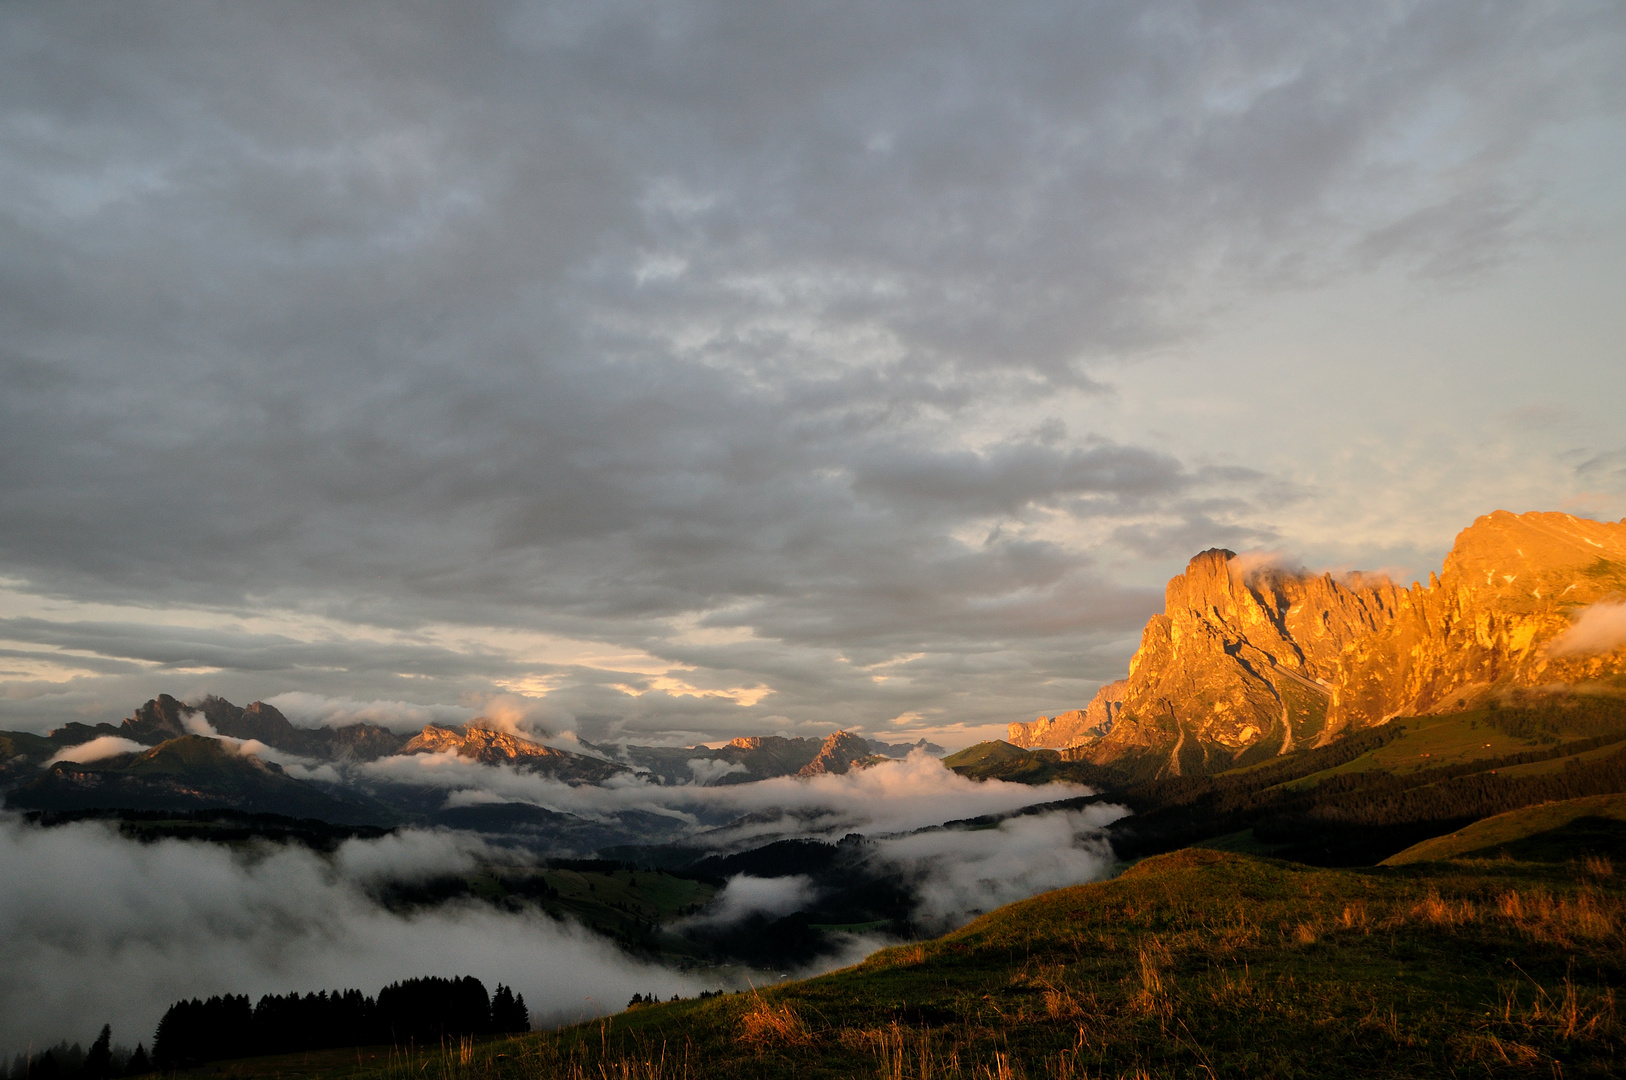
(1437, 911)
(1598, 866)
(1354, 917)
(905, 1053)
(1492, 1050)
(1000, 1069)
(1155, 981)
(1578, 1013)
(1059, 1004)
(1306, 933)
(1558, 920)
(766, 1024)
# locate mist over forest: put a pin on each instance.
(107, 926)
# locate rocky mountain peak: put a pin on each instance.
(1249, 658)
(837, 754)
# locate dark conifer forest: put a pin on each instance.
(417, 1012)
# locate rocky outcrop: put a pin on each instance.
(489, 746)
(1497, 616)
(257, 720)
(1076, 726)
(165, 718)
(1249, 661)
(903, 750)
(157, 721)
(839, 753)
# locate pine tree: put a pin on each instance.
(99, 1061)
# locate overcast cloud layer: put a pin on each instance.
(697, 369)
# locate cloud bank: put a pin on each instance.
(96, 929)
(895, 796)
(962, 873)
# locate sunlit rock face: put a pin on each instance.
(1076, 726)
(490, 746)
(839, 752)
(1249, 661)
(1499, 614)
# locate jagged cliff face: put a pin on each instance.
(1077, 725)
(1496, 616)
(1243, 664)
(839, 752)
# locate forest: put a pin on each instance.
(413, 1012)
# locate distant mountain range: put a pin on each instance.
(1247, 662)
(169, 755)
(186, 773)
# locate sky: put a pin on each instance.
(669, 372)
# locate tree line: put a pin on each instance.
(421, 1011)
(102, 1061)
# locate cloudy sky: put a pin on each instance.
(678, 371)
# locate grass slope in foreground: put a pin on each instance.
(1197, 963)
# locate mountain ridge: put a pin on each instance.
(1248, 661)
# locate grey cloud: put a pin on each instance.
(584, 318)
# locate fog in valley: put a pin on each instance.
(102, 929)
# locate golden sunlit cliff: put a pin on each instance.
(1248, 661)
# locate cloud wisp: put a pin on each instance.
(103, 746)
(1598, 628)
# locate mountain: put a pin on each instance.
(165, 718)
(838, 753)
(903, 750)
(487, 745)
(190, 772)
(1247, 662)
(757, 757)
(257, 720)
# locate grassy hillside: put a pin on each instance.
(1000, 760)
(1371, 794)
(636, 907)
(1557, 831)
(1197, 963)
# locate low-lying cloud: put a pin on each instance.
(1599, 628)
(744, 895)
(97, 929)
(103, 746)
(895, 796)
(960, 872)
